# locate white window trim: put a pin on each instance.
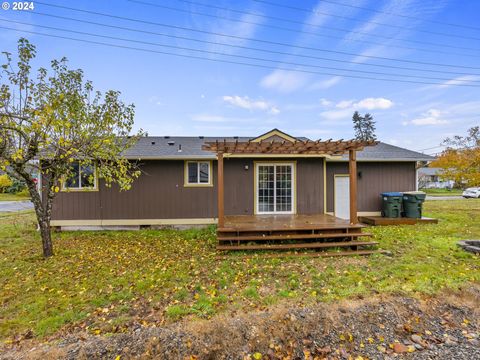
(294, 189)
(187, 183)
(80, 187)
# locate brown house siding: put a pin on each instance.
(159, 193)
(239, 186)
(376, 177)
(310, 193)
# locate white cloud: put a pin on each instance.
(274, 111)
(374, 104)
(347, 107)
(325, 84)
(344, 104)
(245, 102)
(325, 102)
(431, 117)
(284, 81)
(461, 80)
(365, 104)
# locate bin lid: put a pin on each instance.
(415, 193)
(392, 193)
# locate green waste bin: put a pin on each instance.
(391, 204)
(412, 203)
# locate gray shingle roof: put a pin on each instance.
(173, 147)
(190, 147)
(383, 151)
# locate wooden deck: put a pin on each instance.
(383, 221)
(317, 232)
(285, 222)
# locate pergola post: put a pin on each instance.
(352, 167)
(220, 190)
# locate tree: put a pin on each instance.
(460, 161)
(54, 119)
(364, 126)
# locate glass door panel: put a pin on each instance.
(266, 188)
(275, 188)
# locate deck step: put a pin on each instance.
(297, 246)
(307, 254)
(289, 228)
(290, 236)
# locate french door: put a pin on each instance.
(275, 188)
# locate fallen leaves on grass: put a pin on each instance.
(114, 281)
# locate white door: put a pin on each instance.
(342, 197)
(275, 188)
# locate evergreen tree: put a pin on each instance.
(364, 126)
(357, 125)
(369, 127)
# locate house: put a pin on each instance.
(190, 181)
(431, 178)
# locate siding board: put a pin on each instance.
(310, 186)
(376, 177)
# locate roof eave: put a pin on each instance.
(382, 160)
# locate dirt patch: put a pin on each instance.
(443, 327)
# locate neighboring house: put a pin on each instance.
(179, 183)
(431, 178)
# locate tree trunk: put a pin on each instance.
(46, 235)
(43, 207)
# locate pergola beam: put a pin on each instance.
(276, 147)
(352, 169)
(220, 191)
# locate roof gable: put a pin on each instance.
(275, 135)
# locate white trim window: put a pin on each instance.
(83, 177)
(275, 188)
(198, 173)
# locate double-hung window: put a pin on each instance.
(198, 173)
(82, 177)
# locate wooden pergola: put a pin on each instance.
(285, 147)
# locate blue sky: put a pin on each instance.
(182, 96)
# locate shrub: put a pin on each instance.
(5, 183)
(24, 192)
(17, 186)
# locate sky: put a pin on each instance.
(311, 63)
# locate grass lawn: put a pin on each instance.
(13, 197)
(106, 282)
(443, 192)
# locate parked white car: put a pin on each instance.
(473, 192)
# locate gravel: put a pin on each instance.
(397, 327)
